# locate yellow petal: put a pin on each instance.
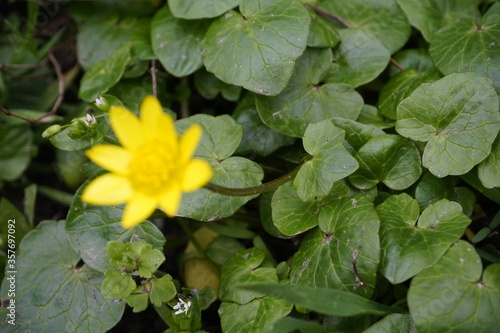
(127, 127)
(108, 189)
(138, 208)
(112, 158)
(196, 174)
(157, 125)
(170, 201)
(189, 142)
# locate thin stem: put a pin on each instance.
(243, 192)
(153, 77)
(328, 14)
(397, 64)
(60, 96)
(24, 66)
(110, 140)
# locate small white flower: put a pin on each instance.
(90, 121)
(99, 101)
(182, 306)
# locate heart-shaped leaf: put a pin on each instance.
(292, 216)
(330, 161)
(52, 290)
(455, 294)
(382, 18)
(466, 46)
(243, 268)
(193, 9)
(257, 47)
(387, 158)
(458, 118)
(176, 42)
(343, 253)
(90, 228)
(359, 58)
(306, 100)
(429, 16)
(221, 138)
(409, 246)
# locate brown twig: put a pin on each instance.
(397, 64)
(328, 14)
(60, 96)
(153, 76)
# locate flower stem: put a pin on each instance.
(243, 192)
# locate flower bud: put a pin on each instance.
(51, 130)
(102, 104)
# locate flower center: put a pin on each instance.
(152, 169)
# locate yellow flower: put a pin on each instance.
(152, 169)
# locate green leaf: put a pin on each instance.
(429, 16)
(209, 86)
(176, 42)
(163, 290)
(104, 74)
(343, 253)
(257, 49)
(401, 86)
(458, 118)
(149, 259)
(306, 99)
(292, 216)
(321, 32)
(141, 39)
(243, 268)
(489, 169)
(16, 144)
(52, 290)
(117, 285)
(387, 158)
(137, 300)
(418, 59)
(370, 115)
(221, 137)
(257, 137)
(382, 18)
(90, 228)
(255, 316)
(393, 323)
(466, 46)
(12, 219)
(491, 193)
(193, 9)
(409, 246)
(359, 58)
(332, 302)
(456, 295)
(330, 161)
(431, 189)
(29, 203)
(101, 35)
(222, 248)
(357, 134)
